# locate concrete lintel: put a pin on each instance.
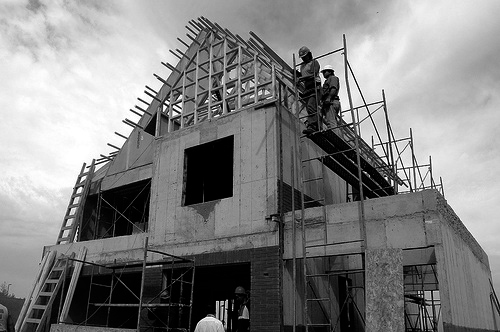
(127, 177)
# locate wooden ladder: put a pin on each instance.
(40, 308)
(74, 212)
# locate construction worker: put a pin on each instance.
(330, 102)
(209, 323)
(241, 303)
(6, 324)
(309, 78)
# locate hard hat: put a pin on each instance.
(303, 51)
(239, 290)
(327, 67)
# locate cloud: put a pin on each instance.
(70, 72)
(31, 215)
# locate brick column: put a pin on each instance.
(265, 297)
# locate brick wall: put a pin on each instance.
(265, 304)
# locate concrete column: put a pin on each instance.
(384, 290)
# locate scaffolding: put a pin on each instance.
(369, 175)
(168, 309)
(220, 73)
(422, 307)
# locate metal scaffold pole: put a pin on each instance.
(142, 283)
(356, 140)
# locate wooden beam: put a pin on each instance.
(122, 136)
(135, 305)
(152, 96)
(175, 54)
(114, 146)
(143, 110)
(131, 110)
(183, 42)
(150, 89)
(72, 285)
(196, 87)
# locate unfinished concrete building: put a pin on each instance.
(216, 187)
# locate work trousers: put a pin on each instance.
(312, 111)
(331, 113)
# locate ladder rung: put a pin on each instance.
(58, 268)
(312, 179)
(45, 294)
(73, 205)
(314, 201)
(318, 275)
(76, 195)
(333, 243)
(101, 285)
(39, 307)
(52, 281)
(185, 282)
(33, 320)
(65, 228)
(69, 217)
(63, 239)
(78, 185)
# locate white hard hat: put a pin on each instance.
(327, 67)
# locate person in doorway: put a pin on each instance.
(241, 302)
(6, 324)
(310, 83)
(330, 102)
(209, 323)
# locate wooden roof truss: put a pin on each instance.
(219, 73)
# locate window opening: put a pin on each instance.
(208, 171)
(116, 212)
(422, 307)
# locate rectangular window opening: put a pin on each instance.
(208, 171)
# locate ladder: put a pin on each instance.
(312, 296)
(318, 304)
(40, 308)
(494, 298)
(74, 212)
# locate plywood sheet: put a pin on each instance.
(384, 290)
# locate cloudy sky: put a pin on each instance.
(70, 70)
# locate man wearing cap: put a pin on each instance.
(309, 77)
(241, 303)
(330, 97)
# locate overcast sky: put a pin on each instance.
(70, 70)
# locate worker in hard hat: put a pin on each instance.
(330, 102)
(309, 77)
(241, 303)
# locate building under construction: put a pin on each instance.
(216, 187)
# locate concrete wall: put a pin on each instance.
(334, 187)
(237, 222)
(464, 277)
(254, 181)
(411, 223)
